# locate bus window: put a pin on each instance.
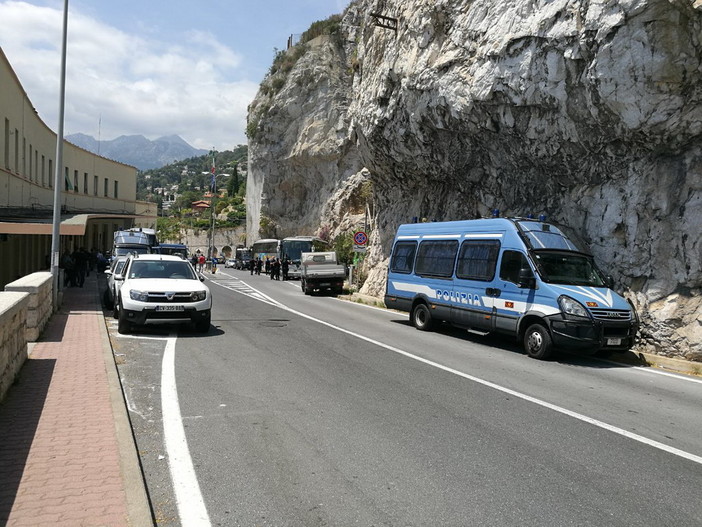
(478, 260)
(403, 257)
(436, 258)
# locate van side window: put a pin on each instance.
(478, 260)
(403, 257)
(512, 262)
(436, 258)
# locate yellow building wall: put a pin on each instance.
(27, 162)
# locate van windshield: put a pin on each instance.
(561, 267)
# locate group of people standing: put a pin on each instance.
(78, 264)
(272, 266)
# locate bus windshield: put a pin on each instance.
(292, 248)
(563, 267)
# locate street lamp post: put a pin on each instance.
(58, 185)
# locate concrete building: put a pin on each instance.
(98, 195)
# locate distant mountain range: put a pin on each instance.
(137, 150)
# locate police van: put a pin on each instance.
(516, 276)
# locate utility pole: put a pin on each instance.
(213, 189)
(58, 184)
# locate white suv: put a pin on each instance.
(162, 287)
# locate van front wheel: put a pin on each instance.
(421, 318)
(537, 342)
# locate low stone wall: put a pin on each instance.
(38, 285)
(13, 338)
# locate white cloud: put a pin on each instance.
(133, 84)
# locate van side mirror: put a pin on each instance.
(119, 277)
(526, 278)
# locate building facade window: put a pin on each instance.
(116, 189)
(31, 165)
(75, 181)
(43, 171)
(85, 182)
(51, 173)
(95, 185)
(107, 184)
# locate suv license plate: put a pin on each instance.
(614, 342)
(169, 308)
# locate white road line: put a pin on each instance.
(191, 506)
(595, 422)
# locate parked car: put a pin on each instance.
(231, 262)
(114, 282)
(162, 288)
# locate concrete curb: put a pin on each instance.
(674, 365)
(138, 504)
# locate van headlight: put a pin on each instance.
(199, 295)
(140, 296)
(570, 306)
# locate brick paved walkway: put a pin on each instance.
(60, 457)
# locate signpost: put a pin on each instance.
(360, 242)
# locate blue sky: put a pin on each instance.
(152, 67)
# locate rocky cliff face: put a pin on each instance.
(588, 111)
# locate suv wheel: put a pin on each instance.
(123, 325)
(203, 326)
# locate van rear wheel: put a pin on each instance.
(537, 342)
(421, 317)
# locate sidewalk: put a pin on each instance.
(67, 454)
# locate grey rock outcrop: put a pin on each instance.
(590, 112)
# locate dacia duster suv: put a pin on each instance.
(162, 287)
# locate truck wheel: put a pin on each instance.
(421, 317)
(303, 284)
(537, 342)
(123, 325)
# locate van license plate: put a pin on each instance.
(614, 342)
(169, 308)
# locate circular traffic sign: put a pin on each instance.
(360, 238)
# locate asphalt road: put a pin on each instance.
(314, 411)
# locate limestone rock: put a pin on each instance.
(590, 112)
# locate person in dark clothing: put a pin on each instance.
(68, 265)
(268, 265)
(252, 265)
(259, 266)
(81, 257)
(286, 268)
(275, 269)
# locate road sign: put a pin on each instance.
(360, 238)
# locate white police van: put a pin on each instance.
(516, 276)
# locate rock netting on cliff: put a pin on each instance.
(587, 111)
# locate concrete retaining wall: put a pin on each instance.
(13, 338)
